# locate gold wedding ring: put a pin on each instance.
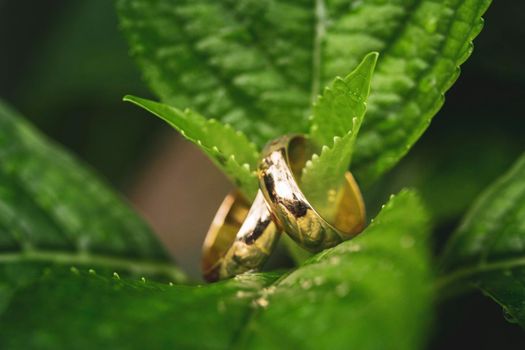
(279, 171)
(239, 239)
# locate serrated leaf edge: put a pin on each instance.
(213, 152)
(326, 149)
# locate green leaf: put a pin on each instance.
(236, 61)
(64, 310)
(55, 211)
(488, 249)
(424, 44)
(341, 107)
(337, 117)
(259, 65)
(375, 287)
(341, 286)
(230, 150)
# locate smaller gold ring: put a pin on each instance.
(239, 239)
(281, 165)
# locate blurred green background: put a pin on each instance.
(65, 66)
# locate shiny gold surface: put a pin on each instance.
(240, 238)
(281, 164)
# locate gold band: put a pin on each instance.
(282, 162)
(239, 239)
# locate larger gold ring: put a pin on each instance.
(239, 239)
(279, 170)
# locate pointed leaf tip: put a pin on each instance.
(217, 140)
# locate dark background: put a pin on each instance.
(64, 65)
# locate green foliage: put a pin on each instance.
(343, 285)
(256, 70)
(342, 103)
(92, 311)
(230, 150)
(53, 210)
(337, 117)
(258, 66)
(421, 44)
(368, 293)
(236, 61)
(488, 249)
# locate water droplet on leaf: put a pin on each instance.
(342, 290)
(306, 284)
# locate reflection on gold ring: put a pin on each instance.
(282, 162)
(240, 238)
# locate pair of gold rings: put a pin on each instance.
(242, 237)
